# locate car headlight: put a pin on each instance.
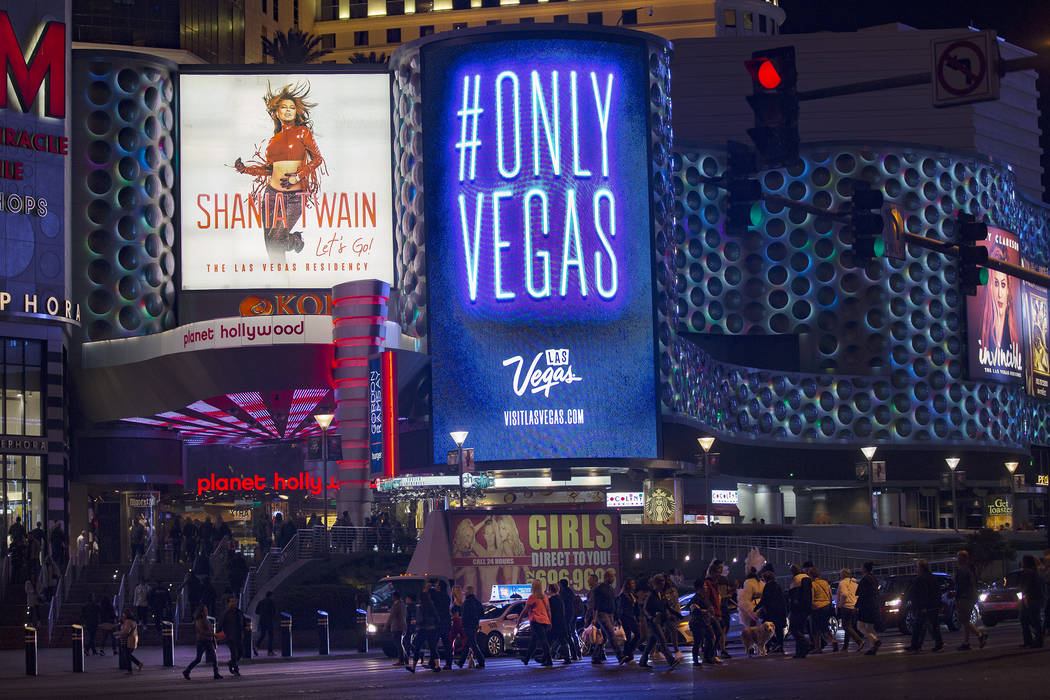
(895, 603)
(983, 597)
(371, 629)
(1020, 595)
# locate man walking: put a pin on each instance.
(395, 626)
(471, 623)
(925, 597)
(443, 609)
(656, 613)
(558, 640)
(800, 604)
(868, 609)
(232, 625)
(846, 608)
(601, 608)
(267, 611)
(569, 603)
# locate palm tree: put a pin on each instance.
(371, 57)
(294, 46)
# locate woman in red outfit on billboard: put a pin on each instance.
(286, 174)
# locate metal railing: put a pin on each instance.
(61, 593)
(139, 569)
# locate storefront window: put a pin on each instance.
(22, 387)
(23, 492)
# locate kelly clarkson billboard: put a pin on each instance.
(498, 548)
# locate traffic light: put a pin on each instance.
(742, 191)
(865, 221)
(972, 256)
(774, 101)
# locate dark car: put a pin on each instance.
(1002, 600)
(896, 608)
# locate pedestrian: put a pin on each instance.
(559, 642)
(395, 626)
(205, 643)
(443, 608)
(426, 625)
(800, 605)
(846, 609)
(748, 597)
(1032, 600)
(674, 613)
(727, 599)
(232, 626)
(820, 633)
(772, 607)
(714, 604)
(868, 608)
(141, 597)
(411, 614)
(129, 635)
(573, 611)
(925, 598)
(966, 599)
(656, 613)
(601, 608)
(627, 614)
(107, 623)
(538, 612)
(89, 617)
(456, 630)
(266, 610)
(700, 626)
(471, 627)
(32, 591)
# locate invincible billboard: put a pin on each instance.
(994, 317)
(286, 180)
(539, 247)
(492, 548)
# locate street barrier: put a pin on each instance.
(286, 634)
(167, 643)
(322, 633)
(31, 669)
(78, 649)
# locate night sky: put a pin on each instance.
(1025, 23)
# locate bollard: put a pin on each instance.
(247, 644)
(322, 633)
(31, 651)
(167, 643)
(78, 649)
(286, 634)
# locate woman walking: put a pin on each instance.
(966, 599)
(868, 609)
(205, 643)
(627, 614)
(129, 633)
(538, 612)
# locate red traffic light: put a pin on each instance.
(765, 72)
(768, 77)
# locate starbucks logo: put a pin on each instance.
(659, 505)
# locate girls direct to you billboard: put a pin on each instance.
(285, 180)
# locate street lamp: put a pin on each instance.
(1012, 467)
(868, 453)
(459, 437)
(324, 420)
(953, 462)
(705, 443)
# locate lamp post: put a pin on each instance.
(1012, 467)
(953, 462)
(324, 420)
(869, 453)
(459, 437)
(705, 444)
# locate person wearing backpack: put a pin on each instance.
(800, 604)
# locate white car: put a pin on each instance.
(498, 622)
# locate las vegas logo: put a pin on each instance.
(536, 380)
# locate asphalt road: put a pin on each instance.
(1001, 669)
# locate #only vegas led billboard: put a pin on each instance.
(285, 180)
(539, 246)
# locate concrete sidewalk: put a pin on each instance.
(52, 662)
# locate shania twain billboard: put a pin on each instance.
(285, 179)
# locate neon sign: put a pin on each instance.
(539, 233)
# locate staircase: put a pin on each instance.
(103, 580)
